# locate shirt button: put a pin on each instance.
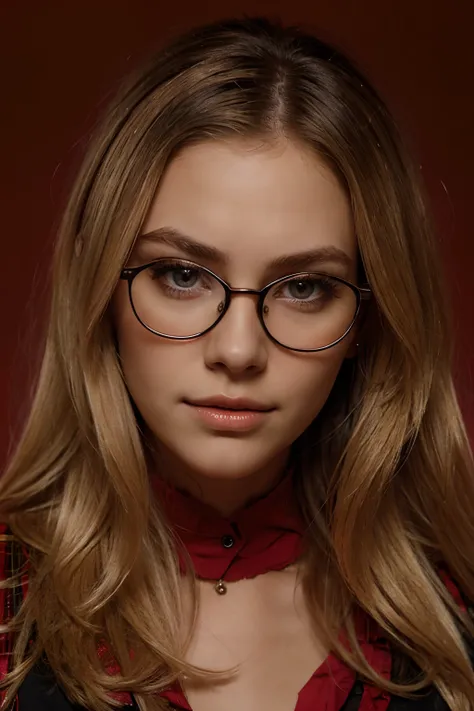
(227, 541)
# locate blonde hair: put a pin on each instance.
(385, 475)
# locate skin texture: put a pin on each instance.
(263, 627)
(255, 202)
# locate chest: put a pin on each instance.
(260, 633)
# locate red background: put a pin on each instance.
(60, 61)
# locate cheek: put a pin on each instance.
(149, 367)
(154, 369)
(148, 363)
(309, 382)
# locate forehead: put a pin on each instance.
(254, 201)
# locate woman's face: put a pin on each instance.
(240, 208)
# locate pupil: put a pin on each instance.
(185, 277)
(300, 288)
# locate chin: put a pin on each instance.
(232, 467)
(225, 458)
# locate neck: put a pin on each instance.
(225, 494)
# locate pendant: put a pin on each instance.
(220, 587)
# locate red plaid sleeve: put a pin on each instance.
(12, 561)
(5, 601)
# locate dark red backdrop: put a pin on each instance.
(61, 59)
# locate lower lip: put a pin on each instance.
(235, 420)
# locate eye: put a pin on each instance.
(177, 280)
(308, 292)
(306, 288)
(183, 277)
(302, 288)
(177, 275)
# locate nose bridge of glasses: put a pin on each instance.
(240, 316)
(242, 290)
(243, 321)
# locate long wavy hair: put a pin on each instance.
(385, 473)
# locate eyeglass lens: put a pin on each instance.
(306, 311)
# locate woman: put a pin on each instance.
(245, 482)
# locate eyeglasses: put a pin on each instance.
(178, 299)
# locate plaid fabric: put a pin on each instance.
(13, 561)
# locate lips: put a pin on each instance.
(239, 404)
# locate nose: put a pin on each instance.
(238, 343)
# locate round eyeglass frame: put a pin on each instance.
(362, 293)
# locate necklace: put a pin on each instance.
(220, 587)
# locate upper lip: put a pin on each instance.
(231, 403)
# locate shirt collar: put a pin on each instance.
(266, 535)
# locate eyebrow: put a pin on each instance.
(192, 248)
